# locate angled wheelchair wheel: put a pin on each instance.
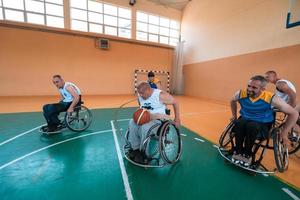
(295, 142)
(79, 120)
(280, 152)
(151, 143)
(226, 136)
(170, 144)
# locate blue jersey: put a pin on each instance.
(153, 83)
(258, 109)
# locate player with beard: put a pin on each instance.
(256, 117)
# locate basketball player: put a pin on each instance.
(155, 101)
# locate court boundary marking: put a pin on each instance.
(290, 193)
(21, 134)
(121, 163)
(49, 146)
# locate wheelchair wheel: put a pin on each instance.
(295, 142)
(294, 139)
(226, 136)
(170, 144)
(79, 120)
(280, 152)
(151, 144)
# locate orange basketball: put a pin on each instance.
(141, 116)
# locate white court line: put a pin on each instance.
(120, 120)
(183, 134)
(49, 146)
(215, 146)
(199, 139)
(122, 166)
(292, 195)
(21, 134)
(266, 175)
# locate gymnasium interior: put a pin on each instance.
(202, 52)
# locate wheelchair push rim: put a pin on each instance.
(280, 152)
(295, 142)
(170, 143)
(226, 136)
(79, 120)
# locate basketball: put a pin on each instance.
(141, 116)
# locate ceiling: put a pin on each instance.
(177, 4)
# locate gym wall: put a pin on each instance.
(228, 42)
(29, 58)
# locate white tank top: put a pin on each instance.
(282, 95)
(67, 95)
(153, 104)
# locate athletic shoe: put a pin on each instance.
(44, 128)
(236, 158)
(136, 156)
(246, 160)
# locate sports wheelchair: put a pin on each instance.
(161, 147)
(79, 120)
(272, 141)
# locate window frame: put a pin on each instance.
(159, 26)
(104, 24)
(44, 13)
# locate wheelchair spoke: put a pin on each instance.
(170, 144)
(80, 119)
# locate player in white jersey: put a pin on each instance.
(70, 94)
(284, 88)
(154, 100)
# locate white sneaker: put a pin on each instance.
(236, 158)
(246, 161)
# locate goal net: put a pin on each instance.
(142, 75)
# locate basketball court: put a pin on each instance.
(199, 51)
(87, 165)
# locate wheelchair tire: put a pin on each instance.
(170, 144)
(280, 154)
(294, 139)
(225, 138)
(295, 142)
(79, 120)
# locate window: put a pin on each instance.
(1, 10)
(154, 28)
(98, 17)
(43, 12)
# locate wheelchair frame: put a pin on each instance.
(161, 138)
(280, 153)
(69, 118)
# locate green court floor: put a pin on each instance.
(86, 166)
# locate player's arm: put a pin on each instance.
(168, 99)
(292, 116)
(61, 98)
(233, 105)
(75, 98)
(282, 86)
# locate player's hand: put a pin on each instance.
(70, 110)
(177, 123)
(285, 140)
